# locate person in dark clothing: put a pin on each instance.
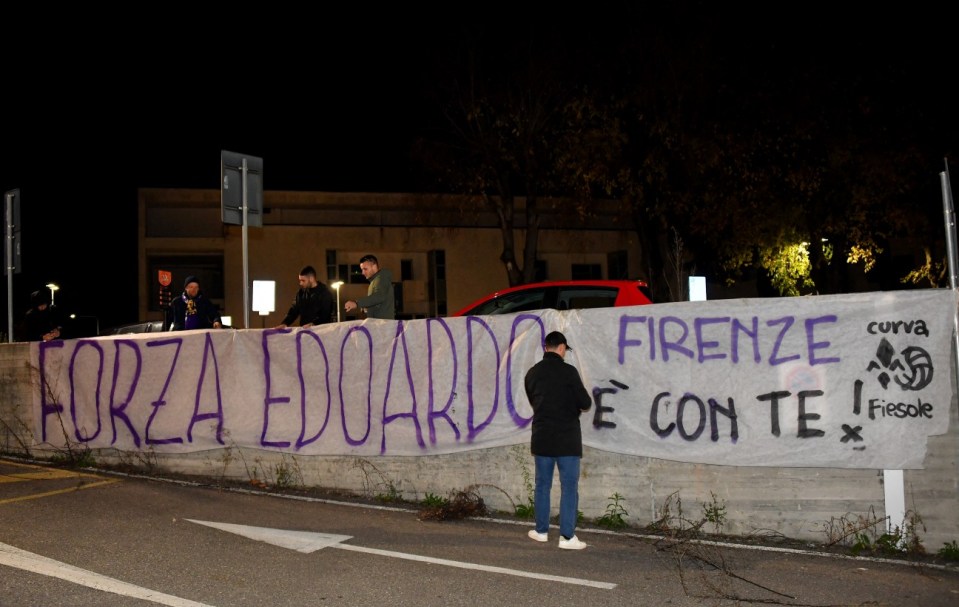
(312, 304)
(558, 396)
(192, 310)
(40, 322)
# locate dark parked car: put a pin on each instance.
(151, 326)
(561, 295)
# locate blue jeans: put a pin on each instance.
(569, 492)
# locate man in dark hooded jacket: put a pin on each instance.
(40, 322)
(192, 310)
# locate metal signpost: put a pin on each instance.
(950, 220)
(241, 200)
(11, 214)
(893, 481)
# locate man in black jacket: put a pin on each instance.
(313, 303)
(558, 396)
(40, 323)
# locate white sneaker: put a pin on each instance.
(572, 543)
(539, 537)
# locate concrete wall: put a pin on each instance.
(801, 503)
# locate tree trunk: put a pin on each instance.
(505, 210)
(531, 246)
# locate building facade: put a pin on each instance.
(444, 251)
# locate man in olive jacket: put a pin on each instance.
(558, 396)
(380, 299)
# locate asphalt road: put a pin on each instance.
(85, 539)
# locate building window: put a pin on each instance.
(618, 264)
(436, 283)
(586, 271)
(406, 269)
(356, 276)
(398, 300)
(541, 272)
(331, 267)
(438, 263)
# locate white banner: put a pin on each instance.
(844, 381)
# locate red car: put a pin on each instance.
(561, 295)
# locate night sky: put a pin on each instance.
(334, 103)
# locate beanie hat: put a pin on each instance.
(188, 280)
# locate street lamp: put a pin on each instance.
(54, 287)
(336, 285)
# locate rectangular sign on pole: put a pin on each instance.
(232, 185)
(11, 214)
(11, 249)
(241, 196)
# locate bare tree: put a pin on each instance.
(511, 119)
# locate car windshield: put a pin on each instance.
(520, 301)
(575, 298)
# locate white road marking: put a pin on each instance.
(21, 559)
(301, 541)
(462, 565)
(306, 541)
